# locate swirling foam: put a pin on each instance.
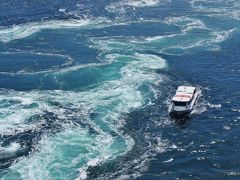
(86, 149)
(120, 5)
(220, 8)
(177, 44)
(24, 30)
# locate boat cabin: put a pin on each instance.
(183, 97)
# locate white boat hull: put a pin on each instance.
(175, 112)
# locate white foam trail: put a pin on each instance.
(217, 106)
(221, 36)
(169, 160)
(68, 61)
(186, 23)
(13, 147)
(218, 8)
(177, 44)
(158, 38)
(25, 30)
(144, 3)
(62, 10)
(200, 105)
(226, 128)
(235, 110)
(120, 6)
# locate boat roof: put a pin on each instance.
(184, 93)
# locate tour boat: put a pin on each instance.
(184, 100)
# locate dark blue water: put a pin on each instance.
(86, 87)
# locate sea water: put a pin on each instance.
(86, 89)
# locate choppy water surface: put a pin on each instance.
(86, 89)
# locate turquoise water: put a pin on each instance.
(86, 89)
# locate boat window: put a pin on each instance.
(176, 103)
